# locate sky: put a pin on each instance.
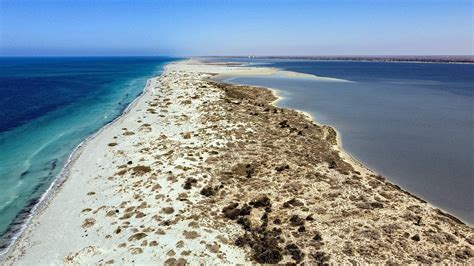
(235, 27)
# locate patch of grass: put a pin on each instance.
(141, 169)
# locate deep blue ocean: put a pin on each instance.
(412, 122)
(47, 107)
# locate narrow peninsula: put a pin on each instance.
(200, 171)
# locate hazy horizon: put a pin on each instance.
(186, 28)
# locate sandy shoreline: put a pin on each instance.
(345, 154)
(275, 72)
(187, 175)
(54, 188)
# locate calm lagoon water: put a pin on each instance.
(411, 122)
(47, 107)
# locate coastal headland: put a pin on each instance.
(199, 171)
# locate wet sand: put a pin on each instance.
(204, 172)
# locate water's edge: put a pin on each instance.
(347, 155)
(24, 218)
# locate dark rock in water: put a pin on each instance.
(54, 163)
(295, 220)
(295, 252)
(263, 201)
(416, 238)
(24, 173)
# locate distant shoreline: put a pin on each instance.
(444, 59)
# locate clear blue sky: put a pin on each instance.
(232, 27)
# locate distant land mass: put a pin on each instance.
(469, 59)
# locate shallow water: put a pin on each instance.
(48, 106)
(411, 122)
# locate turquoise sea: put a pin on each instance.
(48, 106)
